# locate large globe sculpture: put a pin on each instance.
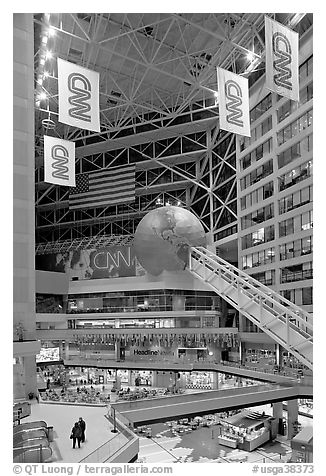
(163, 237)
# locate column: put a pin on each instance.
(215, 381)
(24, 188)
(278, 415)
(293, 412)
(155, 379)
(278, 353)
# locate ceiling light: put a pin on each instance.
(44, 39)
(48, 55)
(42, 61)
(42, 96)
(250, 56)
(46, 74)
(51, 31)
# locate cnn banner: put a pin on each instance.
(282, 59)
(78, 96)
(59, 161)
(233, 102)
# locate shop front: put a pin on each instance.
(246, 431)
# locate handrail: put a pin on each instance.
(284, 321)
(110, 444)
(255, 285)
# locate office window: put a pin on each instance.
(306, 221)
(265, 277)
(289, 107)
(261, 107)
(257, 237)
(292, 129)
(295, 175)
(295, 200)
(286, 227)
(257, 216)
(307, 296)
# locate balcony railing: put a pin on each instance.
(297, 276)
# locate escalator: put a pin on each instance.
(283, 321)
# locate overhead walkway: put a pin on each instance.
(168, 408)
(283, 321)
(180, 367)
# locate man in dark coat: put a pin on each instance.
(76, 434)
(82, 425)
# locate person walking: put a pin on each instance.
(76, 434)
(82, 425)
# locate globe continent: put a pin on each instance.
(163, 237)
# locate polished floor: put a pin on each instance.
(62, 418)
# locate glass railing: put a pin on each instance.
(107, 451)
(114, 309)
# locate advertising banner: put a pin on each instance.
(110, 262)
(59, 161)
(282, 59)
(233, 102)
(79, 103)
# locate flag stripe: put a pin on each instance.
(104, 187)
(119, 180)
(104, 201)
(100, 193)
(110, 173)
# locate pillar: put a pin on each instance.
(215, 381)
(292, 418)
(24, 189)
(155, 379)
(278, 354)
(278, 415)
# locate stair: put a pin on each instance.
(283, 321)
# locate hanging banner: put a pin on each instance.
(282, 59)
(233, 102)
(78, 96)
(59, 161)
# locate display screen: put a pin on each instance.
(110, 262)
(48, 354)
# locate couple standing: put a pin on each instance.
(78, 432)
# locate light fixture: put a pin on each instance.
(250, 56)
(46, 74)
(42, 96)
(44, 39)
(48, 54)
(42, 61)
(51, 31)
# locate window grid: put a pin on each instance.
(295, 200)
(295, 151)
(298, 174)
(257, 216)
(257, 237)
(262, 193)
(256, 175)
(295, 127)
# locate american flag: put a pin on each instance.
(105, 187)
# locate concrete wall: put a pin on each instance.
(23, 185)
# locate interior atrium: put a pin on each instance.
(179, 322)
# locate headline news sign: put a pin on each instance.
(109, 262)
